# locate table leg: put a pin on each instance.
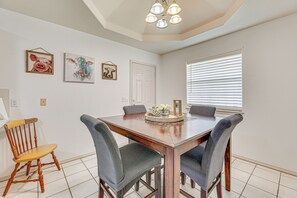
(172, 173)
(228, 166)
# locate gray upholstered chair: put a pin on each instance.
(120, 169)
(201, 110)
(134, 109)
(204, 165)
(137, 109)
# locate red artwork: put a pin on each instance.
(41, 63)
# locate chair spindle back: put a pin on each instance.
(21, 135)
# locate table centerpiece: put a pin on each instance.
(162, 113)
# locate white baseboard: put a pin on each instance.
(266, 165)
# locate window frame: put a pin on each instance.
(222, 109)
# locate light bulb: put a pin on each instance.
(151, 18)
(162, 23)
(157, 8)
(174, 9)
(175, 19)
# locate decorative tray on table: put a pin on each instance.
(165, 119)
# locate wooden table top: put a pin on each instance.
(168, 134)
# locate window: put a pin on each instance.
(216, 82)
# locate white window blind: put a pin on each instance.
(216, 82)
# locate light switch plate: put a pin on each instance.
(124, 99)
(43, 102)
(13, 103)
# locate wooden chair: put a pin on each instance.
(22, 138)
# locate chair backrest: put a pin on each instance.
(21, 135)
(203, 110)
(213, 156)
(110, 167)
(134, 109)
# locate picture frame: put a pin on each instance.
(109, 71)
(39, 62)
(78, 68)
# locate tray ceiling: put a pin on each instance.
(75, 14)
(127, 17)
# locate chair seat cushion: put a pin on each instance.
(137, 160)
(191, 164)
(197, 152)
(36, 153)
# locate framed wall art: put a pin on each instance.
(39, 62)
(79, 68)
(109, 71)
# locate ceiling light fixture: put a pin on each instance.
(168, 11)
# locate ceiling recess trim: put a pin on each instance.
(164, 37)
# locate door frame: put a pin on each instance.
(131, 79)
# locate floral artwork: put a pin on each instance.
(109, 71)
(79, 68)
(40, 63)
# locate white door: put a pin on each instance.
(143, 84)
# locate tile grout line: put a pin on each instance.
(256, 166)
(280, 176)
(77, 171)
(289, 187)
(37, 190)
(61, 190)
(266, 179)
(241, 194)
(90, 195)
(71, 164)
(261, 188)
(92, 177)
(67, 182)
(90, 172)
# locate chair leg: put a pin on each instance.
(219, 189)
(149, 177)
(164, 193)
(11, 179)
(56, 161)
(183, 178)
(101, 191)
(158, 181)
(192, 183)
(136, 186)
(40, 176)
(28, 168)
(203, 194)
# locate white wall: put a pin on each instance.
(66, 102)
(269, 131)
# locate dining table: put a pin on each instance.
(171, 140)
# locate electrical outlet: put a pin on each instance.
(43, 102)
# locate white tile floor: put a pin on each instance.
(78, 179)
